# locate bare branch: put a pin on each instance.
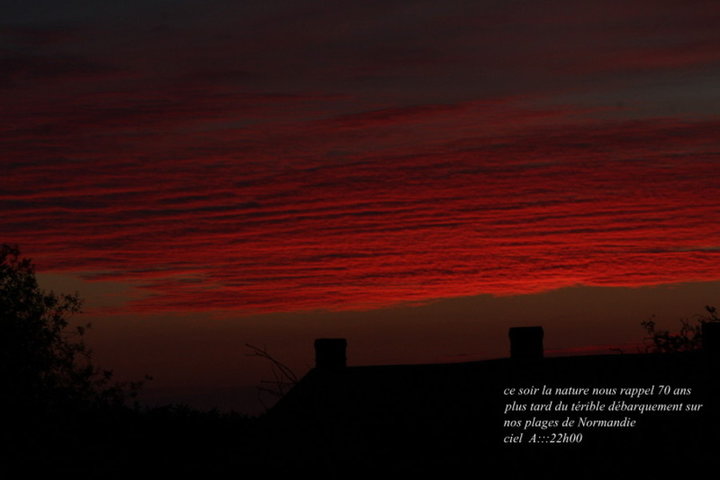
(283, 376)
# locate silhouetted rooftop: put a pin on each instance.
(422, 416)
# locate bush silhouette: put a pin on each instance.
(687, 339)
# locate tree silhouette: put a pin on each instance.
(44, 362)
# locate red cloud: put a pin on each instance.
(280, 167)
(592, 203)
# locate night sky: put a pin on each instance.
(416, 176)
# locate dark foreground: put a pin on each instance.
(386, 421)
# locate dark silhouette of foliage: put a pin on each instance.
(687, 339)
(44, 362)
(63, 416)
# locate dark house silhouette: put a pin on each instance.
(344, 421)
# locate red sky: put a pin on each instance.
(264, 172)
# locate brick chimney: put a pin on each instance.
(526, 342)
(330, 353)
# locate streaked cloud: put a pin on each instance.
(258, 158)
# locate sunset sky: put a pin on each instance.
(416, 176)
